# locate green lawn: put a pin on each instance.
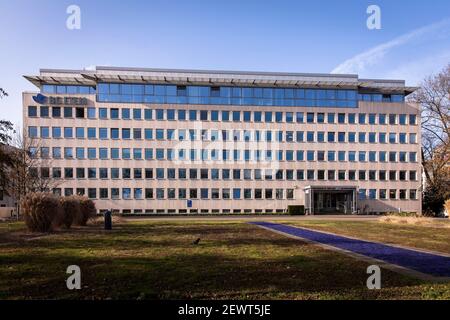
(156, 260)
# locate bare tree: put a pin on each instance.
(6, 130)
(434, 98)
(30, 167)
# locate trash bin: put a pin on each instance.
(108, 220)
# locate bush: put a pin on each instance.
(433, 200)
(296, 210)
(40, 209)
(70, 211)
(87, 211)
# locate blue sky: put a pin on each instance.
(294, 36)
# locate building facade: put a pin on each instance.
(191, 141)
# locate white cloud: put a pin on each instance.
(361, 62)
(414, 72)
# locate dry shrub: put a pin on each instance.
(447, 206)
(40, 209)
(71, 211)
(87, 211)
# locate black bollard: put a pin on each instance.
(108, 220)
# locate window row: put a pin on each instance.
(222, 155)
(220, 135)
(224, 193)
(225, 174)
(181, 193)
(138, 93)
(224, 115)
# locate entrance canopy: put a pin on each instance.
(330, 200)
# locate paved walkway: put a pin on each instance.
(423, 262)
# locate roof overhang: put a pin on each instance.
(215, 78)
(228, 78)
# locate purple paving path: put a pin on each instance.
(432, 264)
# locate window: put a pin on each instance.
(392, 194)
(330, 118)
(32, 111)
(320, 118)
(32, 132)
(79, 153)
(392, 137)
(114, 113)
(352, 137)
(289, 117)
(126, 133)
(103, 113)
(45, 132)
(126, 193)
(102, 132)
(392, 119)
(92, 153)
(278, 117)
(402, 119)
(79, 112)
(67, 112)
(137, 114)
(257, 116)
(148, 114)
(79, 133)
(362, 194)
(192, 115)
(91, 113)
(68, 132)
(225, 116)
(56, 112)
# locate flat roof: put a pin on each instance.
(214, 77)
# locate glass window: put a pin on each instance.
(68, 132)
(56, 112)
(91, 113)
(137, 114)
(192, 115)
(79, 132)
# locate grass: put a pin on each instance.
(434, 237)
(156, 260)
